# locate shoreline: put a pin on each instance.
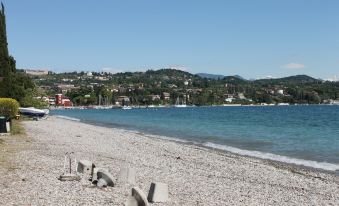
(195, 175)
(290, 162)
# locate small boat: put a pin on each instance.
(178, 104)
(126, 107)
(33, 112)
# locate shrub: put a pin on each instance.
(8, 107)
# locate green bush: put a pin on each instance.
(8, 107)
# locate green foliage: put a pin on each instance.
(13, 85)
(8, 107)
(138, 86)
(29, 100)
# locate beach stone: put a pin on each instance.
(85, 166)
(105, 179)
(158, 192)
(127, 175)
(139, 196)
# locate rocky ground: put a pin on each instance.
(31, 164)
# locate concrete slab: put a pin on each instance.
(158, 192)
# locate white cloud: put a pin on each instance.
(293, 66)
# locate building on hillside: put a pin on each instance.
(154, 97)
(241, 96)
(36, 72)
(123, 100)
(51, 101)
(64, 88)
(61, 100)
(166, 96)
(101, 78)
(280, 91)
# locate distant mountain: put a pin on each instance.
(210, 76)
(240, 77)
(234, 79)
(289, 80)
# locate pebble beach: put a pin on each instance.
(195, 175)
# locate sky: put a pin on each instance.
(253, 38)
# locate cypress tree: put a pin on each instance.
(6, 62)
(13, 85)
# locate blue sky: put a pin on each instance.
(253, 38)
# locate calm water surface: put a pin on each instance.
(303, 132)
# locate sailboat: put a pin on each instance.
(178, 104)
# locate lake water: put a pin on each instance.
(305, 135)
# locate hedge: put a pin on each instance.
(8, 107)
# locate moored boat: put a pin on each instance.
(31, 111)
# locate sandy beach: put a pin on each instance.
(195, 175)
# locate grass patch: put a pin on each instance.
(17, 128)
(11, 144)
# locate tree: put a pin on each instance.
(13, 85)
(5, 68)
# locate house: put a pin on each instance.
(280, 91)
(123, 100)
(101, 78)
(154, 97)
(64, 88)
(166, 96)
(61, 100)
(36, 72)
(241, 96)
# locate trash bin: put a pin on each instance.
(3, 124)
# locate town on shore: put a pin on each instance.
(171, 87)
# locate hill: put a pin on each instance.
(297, 79)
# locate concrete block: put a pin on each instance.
(8, 126)
(85, 166)
(131, 201)
(105, 179)
(95, 172)
(69, 177)
(127, 175)
(158, 192)
(139, 196)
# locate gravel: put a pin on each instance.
(195, 175)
